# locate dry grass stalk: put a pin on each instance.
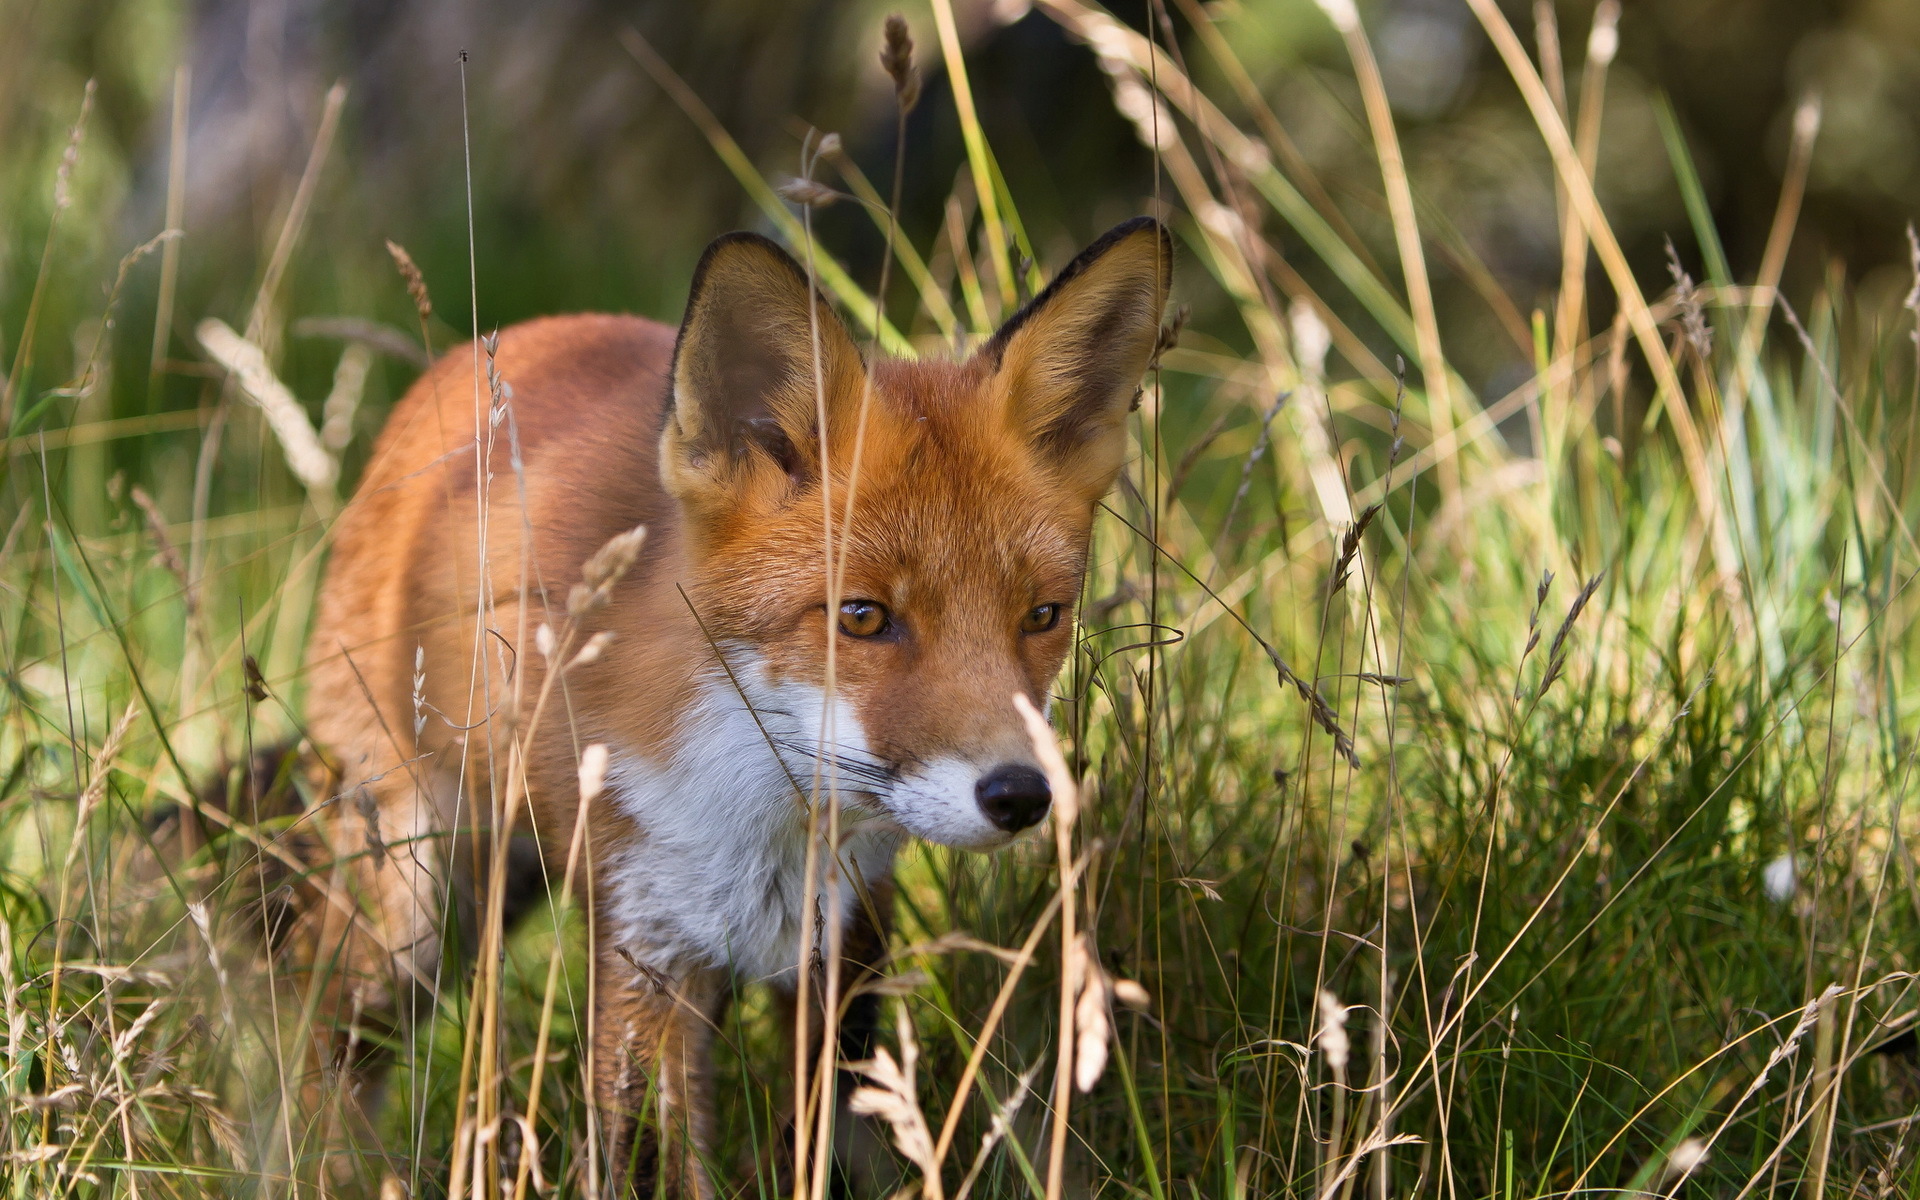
(1136, 69)
(260, 324)
(977, 155)
(1603, 41)
(306, 457)
(85, 804)
(1406, 229)
(96, 789)
(1670, 395)
(480, 1056)
(892, 1095)
(997, 1130)
(831, 274)
(62, 200)
(176, 215)
(593, 781)
(343, 402)
(1066, 810)
(1773, 260)
(1016, 966)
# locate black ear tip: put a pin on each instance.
(1129, 228)
(741, 243)
(1136, 224)
(1127, 231)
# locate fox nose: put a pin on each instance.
(1013, 797)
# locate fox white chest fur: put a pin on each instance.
(716, 873)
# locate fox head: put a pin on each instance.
(885, 553)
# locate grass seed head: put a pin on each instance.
(604, 569)
(416, 282)
(593, 772)
(896, 57)
(1092, 1026)
(808, 192)
(63, 175)
(1332, 1037)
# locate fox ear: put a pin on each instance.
(742, 417)
(1070, 362)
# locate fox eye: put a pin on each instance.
(1040, 619)
(864, 619)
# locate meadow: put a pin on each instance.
(1480, 795)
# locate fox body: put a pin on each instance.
(848, 570)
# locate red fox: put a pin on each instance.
(960, 494)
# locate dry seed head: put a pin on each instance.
(611, 561)
(1686, 1157)
(1912, 302)
(543, 641)
(896, 57)
(591, 652)
(306, 457)
(1091, 1025)
(1692, 311)
(1604, 42)
(369, 810)
(1350, 544)
(604, 569)
(416, 282)
(1322, 712)
(890, 1094)
(96, 788)
(419, 690)
(808, 192)
(1345, 17)
(829, 146)
(349, 385)
(169, 554)
(1556, 656)
(1311, 339)
(1806, 119)
(63, 176)
(593, 772)
(1333, 1031)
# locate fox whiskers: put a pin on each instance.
(852, 765)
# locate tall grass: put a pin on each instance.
(1473, 820)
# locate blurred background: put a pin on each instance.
(591, 189)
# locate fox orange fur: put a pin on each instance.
(961, 498)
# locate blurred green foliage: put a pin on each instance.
(590, 189)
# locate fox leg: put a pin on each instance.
(653, 1045)
(366, 944)
(862, 1162)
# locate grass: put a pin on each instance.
(1611, 893)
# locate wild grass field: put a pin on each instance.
(1482, 794)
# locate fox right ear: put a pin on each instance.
(1070, 362)
(742, 418)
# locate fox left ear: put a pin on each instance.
(1071, 360)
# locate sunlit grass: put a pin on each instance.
(1621, 851)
